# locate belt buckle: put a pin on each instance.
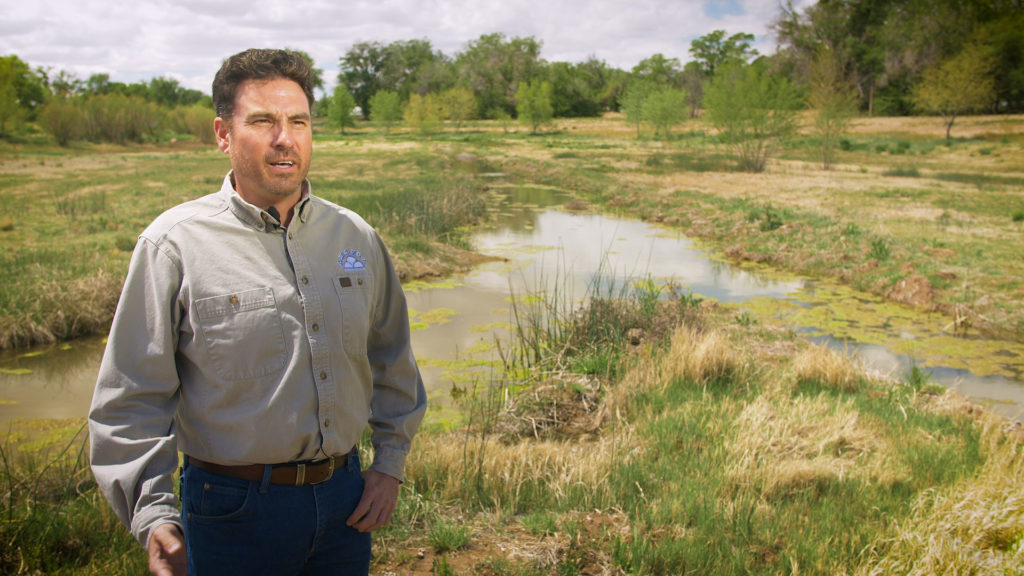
(300, 473)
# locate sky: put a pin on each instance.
(133, 40)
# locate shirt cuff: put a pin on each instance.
(146, 521)
(389, 461)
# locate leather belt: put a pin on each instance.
(292, 473)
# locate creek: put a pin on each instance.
(538, 247)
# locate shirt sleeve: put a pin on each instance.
(399, 400)
(132, 442)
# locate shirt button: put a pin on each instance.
(323, 375)
(316, 327)
(305, 280)
(290, 236)
(327, 423)
(233, 299)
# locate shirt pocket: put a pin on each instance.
(243, 333)
(353, 289)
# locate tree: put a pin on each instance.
(533, 104)
(752, 111)
(959, 85)
(714, 50)
(10, 109)
(340, 111)
(659, 70)
(663, 109)
(493, 67)
(422, 113)
(579, 90)
(693, 81)
(458, 105)
(361, 70)
(632, 101)
(22, 91)
(386, 108)
(832, 100)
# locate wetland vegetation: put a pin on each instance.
(646, 430)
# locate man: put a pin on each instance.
(259, 331)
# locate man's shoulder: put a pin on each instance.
(189, 211)
(333, 210)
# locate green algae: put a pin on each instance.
(15, 371)
(843, 313)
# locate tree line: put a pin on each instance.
(838, 57)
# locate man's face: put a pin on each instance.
(269, 139)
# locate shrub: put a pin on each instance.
(64, 120)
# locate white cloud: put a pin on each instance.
(188, 39)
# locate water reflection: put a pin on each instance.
(49, 382)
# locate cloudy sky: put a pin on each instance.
(187, 39)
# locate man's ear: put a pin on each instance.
(221, 128)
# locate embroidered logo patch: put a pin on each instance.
(351, 260)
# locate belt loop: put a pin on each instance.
(265, 483)
(300, 474)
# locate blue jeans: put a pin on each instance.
(234, 526)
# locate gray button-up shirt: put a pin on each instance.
(238, 341)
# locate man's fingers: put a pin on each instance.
(167, 551)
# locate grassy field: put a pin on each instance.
(648, 432)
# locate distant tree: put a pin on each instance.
(340, 111)
(385, 108)
(493, 67)
(833, 101)
(10, 109)
(64, 84)
(632, 101)
(22, 91)
(65, 120)
(752, 111)
(957, 86)
(458, 105)
(714, 50)
(665, 108)
(533, 104)
(362, 69)
(414, 67)
(659, 70)
(579, 90)
(422, 113)
(693, 82)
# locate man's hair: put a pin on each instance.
(259, 64)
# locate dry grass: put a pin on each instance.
(976, 528)
(827, 367)
(787, 444)
(455, 465)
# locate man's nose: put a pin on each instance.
(283, 136)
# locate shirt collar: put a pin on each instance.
(255, 216)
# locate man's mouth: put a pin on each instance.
(283, 164)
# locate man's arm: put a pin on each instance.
(132, 445)
(399, 400)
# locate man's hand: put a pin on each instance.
(380, 494)
(167, 551)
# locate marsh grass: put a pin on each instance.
(54, 520)
(700, 455)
